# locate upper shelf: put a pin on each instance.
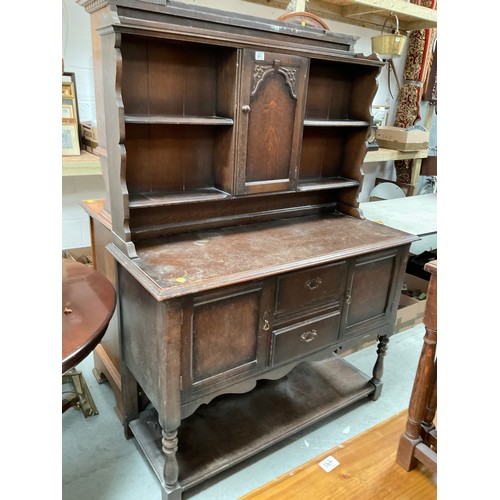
(367, 13)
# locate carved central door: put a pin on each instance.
(270, 116)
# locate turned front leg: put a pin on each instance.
(171, 489)
(378, 369)
(171, 468)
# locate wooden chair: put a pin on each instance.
(419, 441)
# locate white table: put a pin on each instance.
(415, 215)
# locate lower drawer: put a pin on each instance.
(304, 338)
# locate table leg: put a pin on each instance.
(80, 395)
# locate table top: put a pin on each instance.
(414, 214)
(88, 303)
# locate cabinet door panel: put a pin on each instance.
(369, 292)
(270, 116)
(225, 335)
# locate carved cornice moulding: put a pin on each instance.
(92, 5)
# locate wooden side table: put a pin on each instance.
(88, 303)
(419, 441)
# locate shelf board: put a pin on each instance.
(368, 13)
(329, 183)
(148, 200)
(383, 154)
(178, 120)
(83, 164)
(336, 123)
(374, 13)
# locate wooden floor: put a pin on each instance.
(367, 470)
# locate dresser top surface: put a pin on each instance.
(192, 262)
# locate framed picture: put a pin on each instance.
(380, 115)
(68, 114)
(69, 99)
(70, 142)
(68, 88)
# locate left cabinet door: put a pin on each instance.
(270, 116)
(226, 336)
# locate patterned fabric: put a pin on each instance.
(417, 66)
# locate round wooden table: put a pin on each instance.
(88, 303)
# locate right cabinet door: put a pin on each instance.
(370, 291)
(270, 114)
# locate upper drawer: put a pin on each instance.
(311, 287)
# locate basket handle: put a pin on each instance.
(397, 23)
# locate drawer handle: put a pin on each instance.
(313, 284)
(245, 108)
(266, 325)
(309, 336)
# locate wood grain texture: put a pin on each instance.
(367, 470)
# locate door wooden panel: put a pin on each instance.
(369, 292)
(226, 335)
(270, 121)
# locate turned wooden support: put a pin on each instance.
(430, 411)
(422, 406)
(169, 447)
(378, 369)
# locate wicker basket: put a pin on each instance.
(389, 46)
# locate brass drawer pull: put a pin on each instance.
(313, 284)
(309, 336)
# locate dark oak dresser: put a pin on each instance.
(231, 148)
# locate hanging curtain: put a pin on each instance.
(417, 66)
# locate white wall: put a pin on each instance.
(77, 54)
